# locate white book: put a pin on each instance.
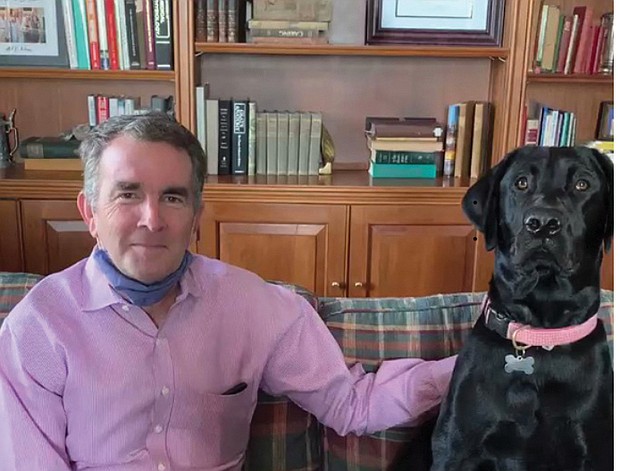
(67, 11)
(212, 123)
(315, 144)
(252, 138)
(201, 123)
(121, 35)
(104, 52)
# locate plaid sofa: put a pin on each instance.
(286, 438)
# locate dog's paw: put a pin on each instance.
(519, 363)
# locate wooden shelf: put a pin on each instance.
(570, 79)
(351, 50)
(51, 73)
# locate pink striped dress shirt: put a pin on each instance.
(87, 381)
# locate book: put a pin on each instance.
(261, 143)
(481, 139)
(404, 157)
(402, 170)
(292, 10)
(252, 138)
(202, 93)
(272, 143)
(133, 41)
(81, 34)
(212, 119)
(212, 28)
(550, 38)
(222, 20)
(149, 34)
(293, 144)
(104, 52)
(200, 21)
(314, 152)
(110, 24)
(405, 129)
(68, 164)
(93, 34)
(224, 126)
(49, 147)
(239, 136)
(406, 144)
(67, 11)
(121, 35)
(462, 161)
(162, 30)
(450, 140)
(305, 123)
(295, 25)
(282, 144)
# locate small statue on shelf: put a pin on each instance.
(8, 133)
(328, 152)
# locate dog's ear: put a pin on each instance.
(481, 202)
(607, 167)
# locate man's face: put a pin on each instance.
(144, 215)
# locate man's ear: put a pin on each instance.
(607, 166)
(481, 202)
(87, 213)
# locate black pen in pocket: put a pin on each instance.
(235, 389)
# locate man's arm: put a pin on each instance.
(308, 367)
(32, 418)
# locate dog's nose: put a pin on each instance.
(543, 224)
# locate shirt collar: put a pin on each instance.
(98, 294)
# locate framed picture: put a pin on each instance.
(605, 122)
(32, 33)
(435, 22)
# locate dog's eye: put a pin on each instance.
(582, 185)
(521, 183)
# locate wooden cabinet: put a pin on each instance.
(296, 243)
(10, 243)
(410, 250)
(54, 235)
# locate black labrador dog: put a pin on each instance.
(532, 386)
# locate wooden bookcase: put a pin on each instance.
(337, 235)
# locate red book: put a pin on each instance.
(584, 37)
(111, 29)
(597, 46)
(103, 108)
(149, 35)
(93, 35)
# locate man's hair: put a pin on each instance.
(149, 127)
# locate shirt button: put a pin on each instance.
(125, 307)
(165, 391)
(161, 467)
(158, 428)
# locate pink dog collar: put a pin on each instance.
(535, 336)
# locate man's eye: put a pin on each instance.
(174, 199)
(521, 183)
(126, 196)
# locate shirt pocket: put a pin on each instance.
(213, 432)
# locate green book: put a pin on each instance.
(49, 147)
(404, 157)
(402, 170)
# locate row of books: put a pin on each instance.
(220, 20)
(102, 107)
(573, 43)
(468, 141)
(285, 32)
(118, 34)
(239, 140)
(546, 126)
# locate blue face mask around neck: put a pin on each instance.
(139, 293)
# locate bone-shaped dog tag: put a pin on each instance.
(519, 363)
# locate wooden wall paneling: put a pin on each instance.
(11, 256)
(47, 107)
(346, 89)
(54, 235)
(296, 243)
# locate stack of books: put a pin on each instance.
(287, 32)
(404, 147)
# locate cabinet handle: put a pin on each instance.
(336, 284)
(359, 284)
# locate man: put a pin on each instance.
(146, 357)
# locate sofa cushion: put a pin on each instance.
(372, 330)
(13, 287)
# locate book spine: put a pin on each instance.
(305, 123)
(261, 143)
(81, 34)
(222, 19)
(314, 154)
(67, 11)
(201, 21)
(272, 143)
(224, 153)
(140, 17)
(110, 16)
(285, 33)
(239, 137)
(49, 150)
(162, 21)
(103, 108)
(232, 22)
(282, 144)
(212, 119)
(450, 143)
(252, 138)
(93, 35)
(201, 122)
(131, 25)
(121, 34)
(91, 102)
(149, 35)
(293, 144)
(212, 28)
(297, 25)
(402, 171)
(104, 52)
(404, 157)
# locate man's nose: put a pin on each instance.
(150, 215)
(543, 222)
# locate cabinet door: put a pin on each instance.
(54, 235)
(295, 243)
(10, 245)
(413, 250)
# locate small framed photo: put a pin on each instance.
(605, 122)
(32, 33)
(435, 22)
